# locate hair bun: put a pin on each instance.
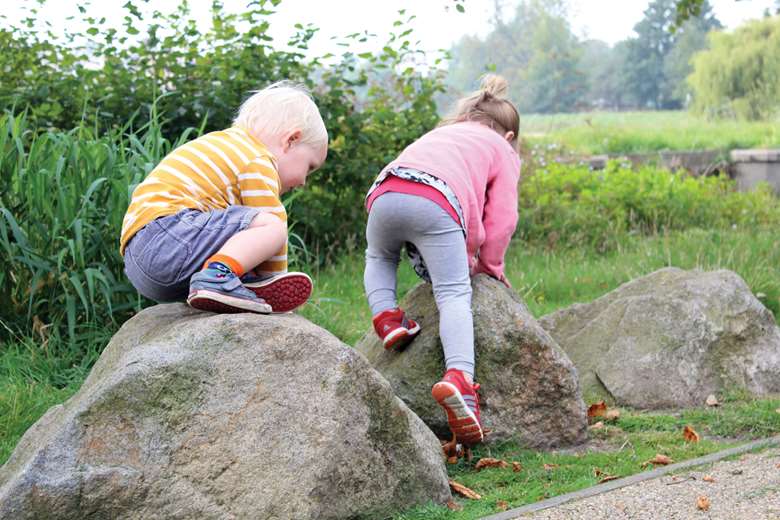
(494, 85)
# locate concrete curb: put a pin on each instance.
(633, 479)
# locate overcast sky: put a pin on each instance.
(438, 24)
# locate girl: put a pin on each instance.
(451, 198)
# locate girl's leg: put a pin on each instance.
(443, 247)
(385, 239)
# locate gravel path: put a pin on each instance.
(746, 488)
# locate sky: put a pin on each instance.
(437, 25)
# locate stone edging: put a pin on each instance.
(633, 479)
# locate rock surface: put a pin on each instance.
(197, 415)
(529, 387)
(670, 339)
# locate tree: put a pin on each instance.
(648, 58)
(537, 53)
(740, 73)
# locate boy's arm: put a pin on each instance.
(259, 188)
(499, 217)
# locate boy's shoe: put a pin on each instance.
(461, 402)
(219, 291)
(283, 292)
(395, 329)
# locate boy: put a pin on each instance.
(210, 212)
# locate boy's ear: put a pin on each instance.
(291, 138)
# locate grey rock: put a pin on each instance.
(529, 387)
(670, 339)
(197, 415)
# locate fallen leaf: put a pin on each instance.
(690, 435)
(487, 462)
(450, 448)
(463, 491)
(501, 505)
(612, 415)
(604, 477)
(712, 400)
(708, 478)
(608, 478)
(703, 503)
(658, 460)
(467, 453)
(550, 467)
(516, 466)
(597, 409)
(452, 460)
(454, 506)
(597, 426)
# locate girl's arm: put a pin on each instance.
(500, 216)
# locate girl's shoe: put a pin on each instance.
(395, 329)
(219, 291)
(460, 400)
(283, 292)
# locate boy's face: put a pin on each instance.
(297, 160)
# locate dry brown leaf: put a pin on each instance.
(690, 435)
(703, 503)
(454, 506)
(452, 460)
(450, 448)
(502, 505)
(516, 466)
(608, 478)
(597, 409)
(658, 460)
(550, 467)
(467, 453)
(597, 426)
(463, 491)
(712, 400)
(708, 478)
(612, 415)
(488, 462)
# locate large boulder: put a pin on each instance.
(529, 387)
(198, 415)
(671, 338)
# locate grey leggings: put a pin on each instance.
(397, 218)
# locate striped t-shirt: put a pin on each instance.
(217, 170)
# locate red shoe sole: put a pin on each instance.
(402, 339)
(285, 292)
(462, 421)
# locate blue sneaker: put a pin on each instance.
(219, 291)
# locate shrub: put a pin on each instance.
(574, 206)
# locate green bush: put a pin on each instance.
(373, 105)
(575, 206)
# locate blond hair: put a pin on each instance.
(488, 106)
(280, 107)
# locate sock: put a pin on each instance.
(224, 263)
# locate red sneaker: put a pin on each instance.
(461, 402)
(283, 292)
(395, 329)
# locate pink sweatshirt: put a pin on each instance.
(483, 170)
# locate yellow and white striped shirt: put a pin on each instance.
(217, 170)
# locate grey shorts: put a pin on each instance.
(165, 253)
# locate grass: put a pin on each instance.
(35, 377)
(636, 132)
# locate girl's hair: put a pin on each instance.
(281, 107)
(488, 106)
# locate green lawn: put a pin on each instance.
(634, 132)
(32, 379)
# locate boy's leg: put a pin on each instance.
(262, 239)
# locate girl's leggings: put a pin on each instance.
(397, 218)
